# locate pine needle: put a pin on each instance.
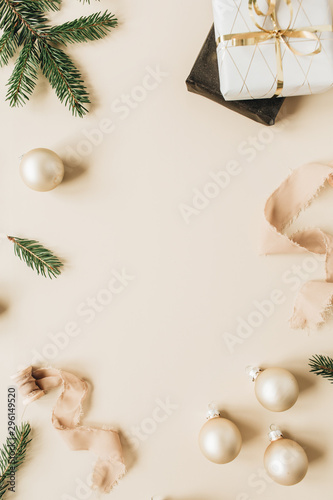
(38, 258)
(322, 366)
(12, 454)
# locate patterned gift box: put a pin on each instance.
(273, 48)
(204, 80)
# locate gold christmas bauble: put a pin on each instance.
(276, 389)
(285, 461)
(220, 440)
(41, 169)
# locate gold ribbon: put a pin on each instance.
(278, 34)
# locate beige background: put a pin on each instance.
(163, 337)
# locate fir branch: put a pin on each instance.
(322, 366)
(24, 23)
(24, 77)
(12, 454)
(46, 5)
(64, 78)
(27, 14)
(38, 258)
(84, 29)
(8, 45)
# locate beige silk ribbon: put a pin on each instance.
(105, 443)
(278, 34)
(314, 299)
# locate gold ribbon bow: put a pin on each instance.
(278, 34)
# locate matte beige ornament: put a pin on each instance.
(285, 460)
(220, 440)
(276, 388)
(41, 169)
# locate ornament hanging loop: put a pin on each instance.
(213, 411)
(274, 433)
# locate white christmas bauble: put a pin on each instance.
(220, 440)
(285, 460)
(276, 388)
(41, 169)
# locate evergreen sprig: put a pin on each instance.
(84, 29)
(8, 46)
(322, 366)
(24, 24)
(37, 257)
(24, 77)
(12, 454)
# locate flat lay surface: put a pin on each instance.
(162, 272)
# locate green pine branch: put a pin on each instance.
(64, 78)
(84, 29)
(12, 454)
(322, 366)
(27, 15)
(37, 257)
(24, 77)
(26, 27)
(8, 46)
(46, 5)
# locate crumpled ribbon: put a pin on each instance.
(280, 35)
(105, 443)
(314, 299)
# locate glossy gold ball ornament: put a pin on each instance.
(41, 169)
(276, 388)
(220, 440)
(285, 460)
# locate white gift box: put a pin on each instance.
(272, 61)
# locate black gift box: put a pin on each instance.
(204, 80)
